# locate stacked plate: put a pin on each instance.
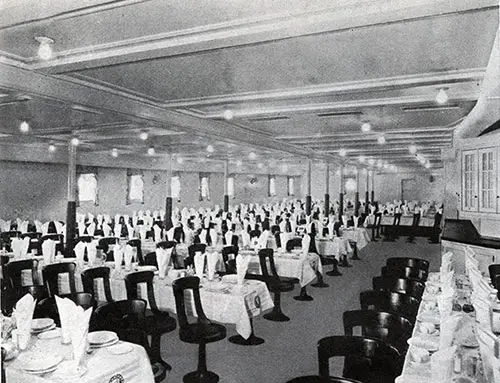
(39, 362)
(69, 370)
(42, 324)
(98, 339)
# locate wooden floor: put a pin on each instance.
(290, 347)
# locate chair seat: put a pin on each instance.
(280, 286)
(329, 260)
(197, 332)
(159, 322)
(289, 280)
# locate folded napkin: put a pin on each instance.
(242, 262)
(117, 230)
(282, 226)
(213, 237)
(212, 258)
(20, 247)
(157, 233)
(134, 221)
(118, 256)
(142, 232)
(203, 236)
(482, 307)
(306, 241)
(23, 313)
(91, 252)
(262, 241)
(331, 229)
(5, 225)
(442, 365)
(448, 327)
(130, 231)
(48, 251)
(229, 237)
(79, 250)
(100, 219)
(284, 237)
(38, 226)
(81, 229)
(106, 229)
(117, 218)
(293, 224)
(59, 227)
(91, 229)
(170, 234)
(356, 220)
(23, 227)
(45, 228)
(344, 221)
(128, 255)
(199, 264)
(163, 259)
(188, 236)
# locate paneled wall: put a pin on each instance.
(38, 190)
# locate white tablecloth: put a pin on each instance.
(102, 366)
(359, 235)
(407, 220)
(336, 246)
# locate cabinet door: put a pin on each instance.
(469, 180)
(488, 180)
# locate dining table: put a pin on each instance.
(333, 247)
(121, 362)
(356, 234)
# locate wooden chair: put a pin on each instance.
(47, 307)
(201, 332)
(157, 322)
(407, 286)
(137, 244)
(400, 262)
(401, 304)
(51, 277)
(127, 319)
(14, 270)
(404, 272)
(387, 326)
(90, 275)
(230, 264)
(494, 270)
(192, 250)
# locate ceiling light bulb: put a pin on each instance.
(386, 165)
(45, 48)
(228, 114)
(151, 151)
(412, 149)
(442, 96)
(342, 152)
(260, 165)
(114, 152)
(52, 148)
(427, 165)
(24, 127)
(371, 161)
(210, 148)
(75, 141)
(366, 127)
(361, 159)
(180, 160)
(381, 140)
(143, 136)
(422, 161)
(252, 156)
(239, 163)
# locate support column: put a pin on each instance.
(71, 205)
(168, 201)
(367, 193)
(373, 186)
(327, 189)
(341, 192)
(356, 196)
(226, 189)
(308, 187)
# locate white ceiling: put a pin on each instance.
(298, 77)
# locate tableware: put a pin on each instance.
(102, 338)
(419, 355)
(427, 343)
(146, 268)
(69, 370)
(51, 334)
(120, 349)
(39, 362)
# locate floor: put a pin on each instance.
(290, 347)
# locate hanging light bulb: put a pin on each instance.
(114, 152)
(442, 96)
(45, 48)
(52, 148)
(180, 160)
(381, 140)
(239, 163)
(24, 127)
(427, 165)
(371, 161)
(260, 165)
(228, 114)
(151, 151)
(361, 159)
(210, 149)
(75, 141)
(143, 136)
(366, 127)
(342, 152)
(412, 149)
(252, 156)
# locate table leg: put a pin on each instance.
(320, 283)
(334, 272)
(303, 296)
(344, 262)
(354, 246)
(252, 340)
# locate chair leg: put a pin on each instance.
(201, 375)
(303, 296)
(156, 351)
(344, 262)
(320, 283)
(252, 340)
(355, 251)
(276, 315)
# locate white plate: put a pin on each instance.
(51, 327)
(97, 338)
(41, 324)
(107, 344)
(119, 349)
(68, 370)
(146, 268)
(55, 333)
(39, 363)
(427, 343)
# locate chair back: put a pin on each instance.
(179, 234)
(6, 237)
(412, 287)
(51, 276)
(401, 304)
(255, 233)
(137, 244)
(120, 315)
(366, 359)
(404, 272)
(31, 235)
(390, 327)
(400, 262)
(132, 282)
(197, 247)
(275, 229)
(90, 275)
(230, 263)
(494, 270)
(180, 286)
(293, 243)
(38, 292)
(14, 270)
(105, 242)
(47, 308)
(265, 256)
(166, 244)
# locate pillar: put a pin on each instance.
(308, 187)
(356, 195)
(168, 201)
(373, 186)
(341, 192)
(327, 189)
(367, 193)
(226, 189)
(71, 204)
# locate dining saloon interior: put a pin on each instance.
(250, 191)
